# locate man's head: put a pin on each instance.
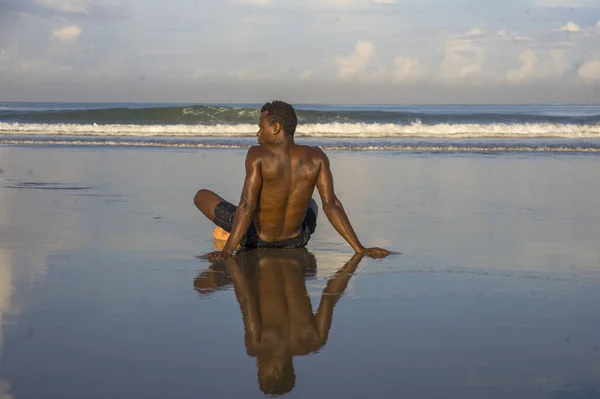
(275, 374)
(276, 118)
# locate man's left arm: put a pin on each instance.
(247, 205)
(248, 305)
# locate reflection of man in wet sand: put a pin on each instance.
(277, 313)
(276, 209)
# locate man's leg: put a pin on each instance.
(219, 211)
(206, 201)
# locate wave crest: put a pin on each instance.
(323, 130)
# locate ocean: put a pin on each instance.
(414, 128)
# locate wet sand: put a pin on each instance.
(494, 296)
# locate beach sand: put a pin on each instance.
(495, 294)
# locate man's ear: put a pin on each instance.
(276, 128)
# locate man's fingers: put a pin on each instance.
(377, 252)
(382, 251)
(215, 256)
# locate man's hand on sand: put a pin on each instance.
(218, 255)
(375, 252)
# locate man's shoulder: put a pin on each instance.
(315, 152)
(257, 151)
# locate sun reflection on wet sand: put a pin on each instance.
(5, 293)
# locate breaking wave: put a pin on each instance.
(324, 130)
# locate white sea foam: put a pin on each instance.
(451, 148)
(328, 130)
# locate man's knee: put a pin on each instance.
(203, 196)
(206, 201)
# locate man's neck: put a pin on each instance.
(285, 143)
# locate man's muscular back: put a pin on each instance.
(289, 176)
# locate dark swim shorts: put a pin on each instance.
(225, 214)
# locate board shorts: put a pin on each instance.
(225, 215)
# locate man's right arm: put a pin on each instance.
(331, 295)
(335, 212)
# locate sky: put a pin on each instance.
(310, 51)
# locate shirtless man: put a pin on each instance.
(276, 209)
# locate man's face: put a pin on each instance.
(266, 132)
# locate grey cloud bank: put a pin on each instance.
(330, 51)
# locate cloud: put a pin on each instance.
(463, 58)
(260, 3)
(3, 54)
(343, 5)
(558, 65)
(598, 26)
(228, 74)
(346, 4)
(564, 43)
(44, 67)
(565, 3)
(477, 35)
(529, 60)
(404, 68)
(103, 9)
(476, 32)
(306, 74)
(570, 27)
(66, 34)
(590, 71)
(66, 6)
(356, 63)
(552, 64)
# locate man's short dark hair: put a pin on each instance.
(282, 113)
(276, 379)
